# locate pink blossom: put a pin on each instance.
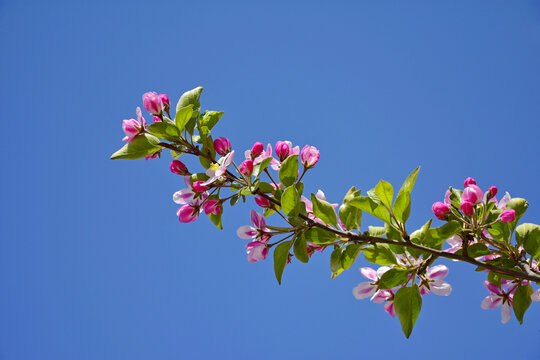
(165, 101)
(153, 103)
(440, 210)
(256, 150)
(472, 194)
(188, 213)
(434, 281)
(262, 201)
(260, 157)
(467, 208)
(502, 204)
(217, 171)
(285, 149)
(222, 145)
(258, 231)
(498, 297)
(178, 167)
(186, 195)
(492, 191)
(157, 119)
(469, 181)
(310, 156)
(369, 288)
(199, 186)
(256, 251)
(508, 215)
(246, 168)
(447, 201)
(133, 127)
(212, 206)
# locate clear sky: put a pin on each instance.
(93, 261)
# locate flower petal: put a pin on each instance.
(183, 196)
(246, 232)
(438, 272)
(506, 313)
(441, 289)
(369, 273)
(491, 302)
(364, 290)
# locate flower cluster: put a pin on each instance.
(479, 228)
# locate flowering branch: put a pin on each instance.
(479, 229)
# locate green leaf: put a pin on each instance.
(500, 231)
(265, 187)
(393, 277)
(437, 236)
(198, 177)
(367, 204)
(183, 115)
(259, 168)
(139, 147)
(300, 249)
(288, 172)
(476, 250)
(350, 216)
(377, 231)
(409, 182)
(210, 119)
(402, 207)
(281, 255)
(380, 254)
(335, 262)
(191, 97)
(525, 230)
(349, 255)
(324, 210)
(522, 301)
(290, 200)
(319, 236)
(216, 220)
(407, 304)
(385, 192)
(164, 130)
(205, 162)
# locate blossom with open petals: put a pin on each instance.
(133, 127)
(498, 297)
(434, 281)
(258, 231)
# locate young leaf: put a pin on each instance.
(402, 207)
(407, 304)
(385, 192)
(259, 168)
(164, 130)
(349, 255)
(437, 236)
(290, 200)
(335, 262)
(522, 301)
(476, 250)
(367, 204)
(216, 220)
(393, 277)
(350, 216)
(377, 231)
(380, 254)
(191, 97)
(288, 172)
(526, 230)
(300, 249)
(319, 236)
(323, 210)
(281, 255)
(211, 118)
(140, 146)
(408, 184)
(183, 115)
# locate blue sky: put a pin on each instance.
(93, 261)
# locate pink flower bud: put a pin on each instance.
(131, 127)
(212, 206)
(262, 201)
(179, 168)
(246, 168)
(492, 192)
(222, 146)
(469, 181)
(152, 103)
(165, 101)
(467, 208)
(188, 213)
(309, 156)
(256, 150)
(257, 251)
(440, 210)
(282, 150)
(157, 119)
(508, 215)
(472, 194)
(199, 187)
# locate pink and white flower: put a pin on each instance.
(258, 231)
(499, 298)
(217, 171)
(310, 156)
(256, 251)
(434, 283)
(133, 127)
(283, 150)
(369, 288)
(153, 103)
(186, 195)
